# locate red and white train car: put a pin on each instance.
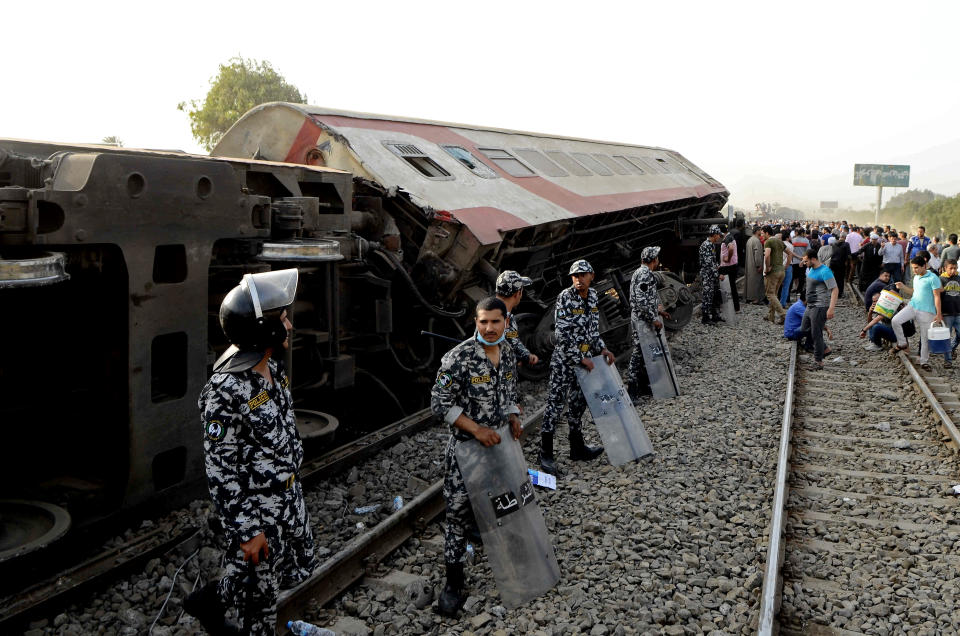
(463, 202)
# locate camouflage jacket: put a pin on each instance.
(468, 383)
(250, 442)
(521, 353)
(578, 326)
(644, 299)
(708, 260)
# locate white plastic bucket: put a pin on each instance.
(888, 303)
(939, 338)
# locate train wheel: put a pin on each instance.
(26, 526)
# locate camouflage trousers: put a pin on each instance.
(564, 391)
(636, 375)
(711, 286)
(459, 513)
(286, 525)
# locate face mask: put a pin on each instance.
(480, 339)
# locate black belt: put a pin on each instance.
(278, 487)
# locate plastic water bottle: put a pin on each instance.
(397, 502)
(471, 555)
(303, 628)
(365, 509)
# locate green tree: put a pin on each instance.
(239, 86)
(112, 140)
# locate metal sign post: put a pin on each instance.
(876, 216)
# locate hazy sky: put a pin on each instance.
(784, 91)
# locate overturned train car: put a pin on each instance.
(455, 204)
(113, 264)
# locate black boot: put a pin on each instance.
(452, 597)
(205, 605)
(579, 451)
(547, 463)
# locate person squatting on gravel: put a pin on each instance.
(710, 276)
(253, 454)
(644, 306)
(821, 298)
(510, 286)
(879, 330)
(475, 394)
(924, 306)
(884, 281)
(577, 336)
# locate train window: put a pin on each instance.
(169, 467)
(664, 165)
(419, 160)
(568, 163)
(610, 163)
(170, 264)
(471, 163)
(644, 164)
(168, 367)
(592, 163)
(630, 165)
(536, 159)
(507, 162)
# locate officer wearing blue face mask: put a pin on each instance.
(476, 395)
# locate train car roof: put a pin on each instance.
(321, 110)
(491, 179)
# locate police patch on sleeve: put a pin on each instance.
(444, 380)
(215, 431)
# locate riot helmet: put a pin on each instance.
(250, 317)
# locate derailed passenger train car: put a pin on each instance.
(113, 264)
(462, 203)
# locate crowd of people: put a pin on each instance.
(909, 283)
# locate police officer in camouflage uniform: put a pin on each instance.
(510, 286)
(644, 306)
(710, 275)
(253, 454)
(476, 394)
(577, 335)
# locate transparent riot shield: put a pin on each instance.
(621, 430)
(726, 306)
(657, 360)
(515, 538)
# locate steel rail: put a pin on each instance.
(770, 593)
(337, 460)
(918, 379)
(102, 569)
(945, 419)
(348, 565)
(105, 567)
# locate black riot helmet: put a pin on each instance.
(250, 317)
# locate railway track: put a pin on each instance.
(863, 527)
(41, 597)
(333, 576)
